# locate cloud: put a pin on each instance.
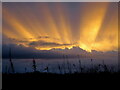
(43, 37)
(29, 52)
(41, 42)
(46, 44)
(18, 41)
(93, 26)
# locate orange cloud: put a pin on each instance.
(97, 29)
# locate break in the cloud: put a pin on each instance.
(44, 26)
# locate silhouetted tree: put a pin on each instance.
(59, 67)
(80, 65)
(46, 68)
(25, 69)
(34, 65)
(11, 63)
(69, 67)
(75, 67)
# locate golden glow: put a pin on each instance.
(49, 48)
(91, 24)
(49, 30)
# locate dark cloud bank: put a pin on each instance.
(44, 43)
(28, 52)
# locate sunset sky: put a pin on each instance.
(44, 26)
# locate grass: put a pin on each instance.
(82, 76)
(69, 75)
(97, 74)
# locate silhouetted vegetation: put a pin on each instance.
(34, 65)
(67, 72)
(67, 67)
(11, 63)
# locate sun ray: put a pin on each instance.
(46, 24)
(91, 23)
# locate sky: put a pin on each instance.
(47, 26)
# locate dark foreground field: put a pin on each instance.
(41, 81)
